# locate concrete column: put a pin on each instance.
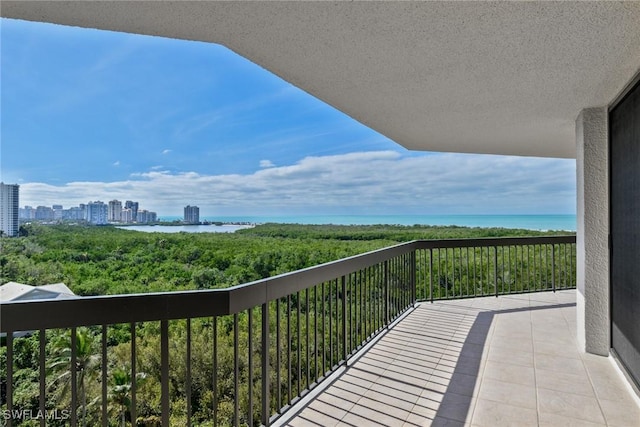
(592, 295)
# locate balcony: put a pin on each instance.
(410, 334)
(488, 361)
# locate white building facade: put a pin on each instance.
(115, 211)
(9, 209)
(96, 213)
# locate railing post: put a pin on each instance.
(413, 277)
(344, 319)
(431, 274)
(386, 293)
(43, 374)
(495, 269)
(215, 371)
(553, 267)
(236, 372)
(74, 377)
(103, 373)
(133, 374)
(9, 389)
(250, 365)
(164, 368)
(266, 410)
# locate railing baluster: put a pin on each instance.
(9, 341)
(133, 374)
(331, 325)
(553, 267)
(103, 375)
(495, 269)
(308, 356)
(396, 283)
(348, 320)
(215, 370)
(467, 272)
(475, 272)
(529, 267)
(361, 328)
(345, 352)
(164, 368)
(386, 293)
(363, 318)
(278, 358)
(188, 372)
(394, 288)
(266, 398)
(352, 313)
(565, 270)
(289, 351)
(236, 372)
(298, 344)
(446, 271)
(74, 377)
(324, 333)
(250, 361)
(43, 375)
(431, 274)
(315, 331)
(376, 284)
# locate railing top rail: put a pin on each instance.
(114, 309)
(494, 241)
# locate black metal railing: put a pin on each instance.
(244, 355)
(480, 267)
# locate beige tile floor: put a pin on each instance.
(507, 361)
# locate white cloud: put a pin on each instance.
(266, 164)
(116, 163)
(166, 151)
(360, 182)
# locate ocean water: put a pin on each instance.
(185, 228)
(529, 222)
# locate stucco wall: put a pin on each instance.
(592, 163)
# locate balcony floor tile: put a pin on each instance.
(484, 361)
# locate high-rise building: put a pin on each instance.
(44, 213)
(191, 214)
(146, 217)
(9, 209)
(126, 215)
(76, 213)
(27, 213)
(96, 213)
(58, 211)
(114, 213)
(134, 209)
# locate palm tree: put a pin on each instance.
(86, 366)
(120, 393)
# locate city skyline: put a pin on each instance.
(94, 212)
(115, 122)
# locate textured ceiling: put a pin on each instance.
(481, 77)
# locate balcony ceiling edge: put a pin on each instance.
(474, 77)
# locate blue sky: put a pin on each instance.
(94, 115)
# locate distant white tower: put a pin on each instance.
(9, 209)
(96, 213)
(114, 211)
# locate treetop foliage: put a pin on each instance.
(107, 260)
